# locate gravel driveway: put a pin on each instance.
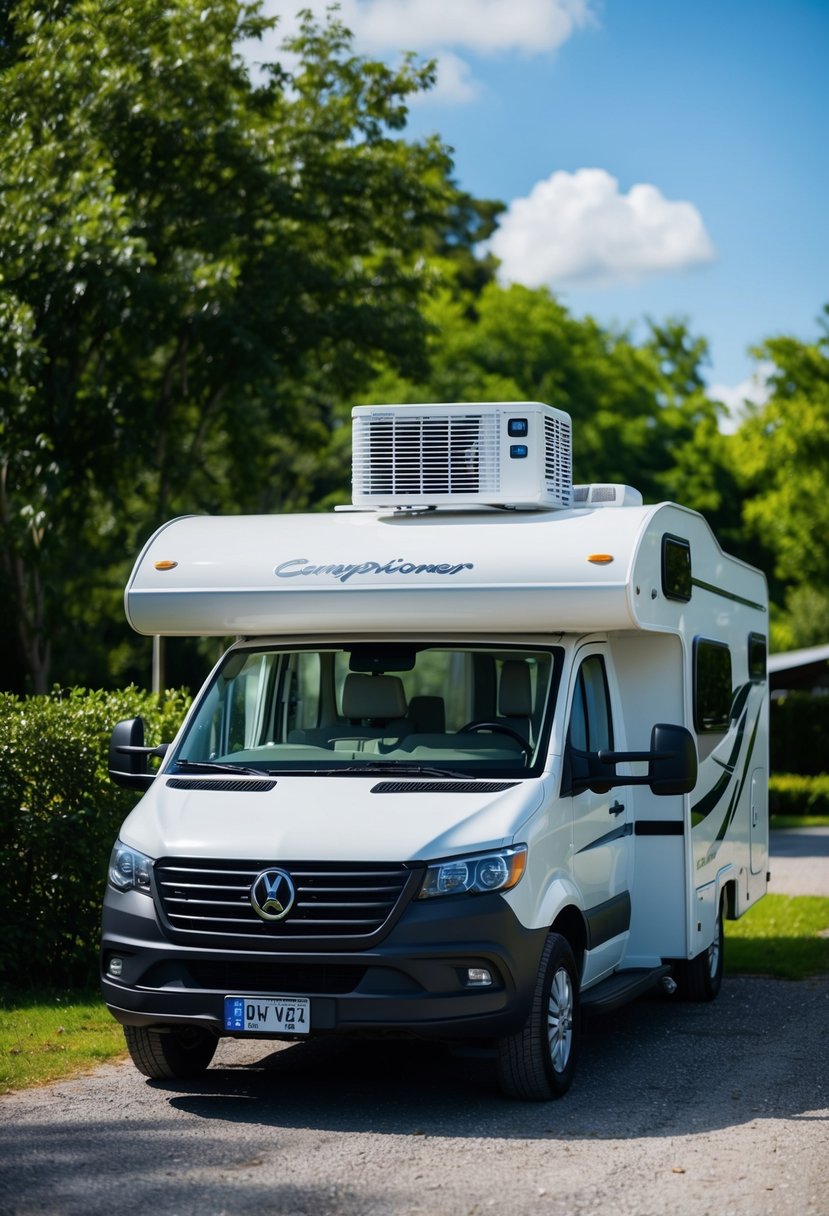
(719, 1109)
(799, 862)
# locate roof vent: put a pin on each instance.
(511, 454)
(606, 495)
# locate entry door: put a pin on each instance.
(602, 822)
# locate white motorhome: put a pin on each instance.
(489, 751)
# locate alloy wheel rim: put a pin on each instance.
(560, 1020)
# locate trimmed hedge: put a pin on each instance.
(795, 794)
(59, 817)
(799, 733)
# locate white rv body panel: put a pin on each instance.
(300, 816)
(573, 570)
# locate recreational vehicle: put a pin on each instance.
(488, 753)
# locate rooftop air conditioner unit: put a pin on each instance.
(606, 494)
(505, 453)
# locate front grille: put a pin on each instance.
(335, 901)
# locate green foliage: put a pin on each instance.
(783, 452)
(793, 794)
(799, 732)
(195, 267)
(640, 412)
(803, 619)
(59, 816)
(201, 271)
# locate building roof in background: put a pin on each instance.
(797, 658)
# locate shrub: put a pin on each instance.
(59, 816)
(799, 733)
(794, 794)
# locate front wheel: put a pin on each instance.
(165, 1054)
(537, 1063)
(700, 978)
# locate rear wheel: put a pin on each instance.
(165, 1054)
(537, 1063)
(700, 978)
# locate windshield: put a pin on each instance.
(370, 707)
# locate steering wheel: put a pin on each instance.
(473, 727)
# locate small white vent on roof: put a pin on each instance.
(606, 494)
(502, 453)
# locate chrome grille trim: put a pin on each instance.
(210, 899)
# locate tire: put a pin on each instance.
(700, 978)
(538, 1062)
(166, 1054)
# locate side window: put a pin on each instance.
(756, 656)
(591, 726)
(677, 579)
(712, 686)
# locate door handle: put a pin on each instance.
(616, 809)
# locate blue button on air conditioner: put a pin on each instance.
(518, 451)
(517, 428)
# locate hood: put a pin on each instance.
(329, 818)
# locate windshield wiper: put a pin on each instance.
(214, 766)
(388, 767)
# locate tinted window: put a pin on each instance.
(712, 686)
(756, 656)
(676, 568)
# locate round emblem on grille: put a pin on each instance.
(272, 894)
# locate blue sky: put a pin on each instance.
(657, 157)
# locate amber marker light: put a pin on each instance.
(166, 565)
(600, 559)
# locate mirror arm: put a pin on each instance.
(128, 749)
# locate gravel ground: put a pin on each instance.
(799, 862)
(713, 1109)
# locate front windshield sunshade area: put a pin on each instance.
(370, 707)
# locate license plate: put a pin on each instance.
(268, 1014)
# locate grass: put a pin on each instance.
(44, 1037)
(47, 1036)
(783, 936)
(798, 821)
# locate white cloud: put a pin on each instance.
(578, 230)
(455, 84)
(444, 29)
(736, 397)
(486, 26)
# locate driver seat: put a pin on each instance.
(515, 701)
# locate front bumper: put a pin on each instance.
(415, 981)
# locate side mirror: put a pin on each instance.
(672, 768)
(672, 765)
(129, 756)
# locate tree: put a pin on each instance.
(195, 267)
(782, 450)
(640, 412)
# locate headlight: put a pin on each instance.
(129, 870)
(476, 875)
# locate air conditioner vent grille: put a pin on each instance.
(422, 456)
(558, 457)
